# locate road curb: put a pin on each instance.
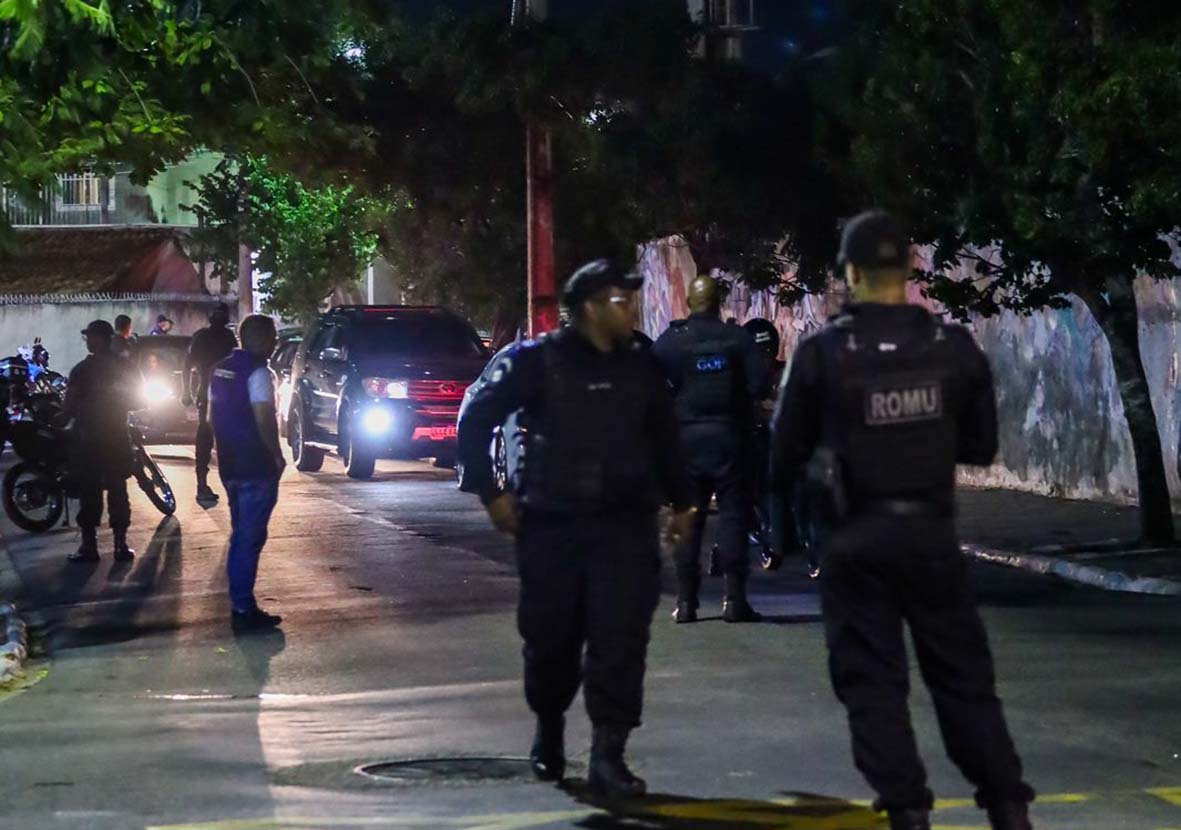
(1102, 578)
(14, 643)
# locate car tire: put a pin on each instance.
(358, 464)
(307, 459)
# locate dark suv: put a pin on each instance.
(381, 382)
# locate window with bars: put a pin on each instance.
(84, 191)
(732, 14)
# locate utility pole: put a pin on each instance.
(539, 207)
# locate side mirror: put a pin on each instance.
(332, 353)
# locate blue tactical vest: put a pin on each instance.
(241, 453)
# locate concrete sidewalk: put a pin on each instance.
(1086, 542)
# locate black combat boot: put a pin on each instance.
(548, 755)
(911, 818)
(688, 582)
(204, 491)
(1009, 815)
(735, 607)
(123, 553)
(608, 775)
(88, 550)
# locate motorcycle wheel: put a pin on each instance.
(152, 481)
(38, 491)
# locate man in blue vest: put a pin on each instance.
(250, 460)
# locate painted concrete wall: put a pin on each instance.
(1062, 428)
(59, 325)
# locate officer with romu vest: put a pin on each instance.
(717, 376)
(601, 458)
(879, 407)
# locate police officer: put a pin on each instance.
(887, 398)
(124, 340)
(717, 376)
(209, 346)
(97, 401)
(601, 458)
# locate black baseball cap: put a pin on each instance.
(101, 328)
(594, 277)
(874, 239)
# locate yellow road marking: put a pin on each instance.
(1169, 794)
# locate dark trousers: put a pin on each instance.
(589, 587)
(251, 505)
(880, 572)
(204, 451)
(734, 520)
(93, 480)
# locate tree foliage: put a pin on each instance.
(309, 241)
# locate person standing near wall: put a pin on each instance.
(123, 340)
(250, 460)
(210, 345)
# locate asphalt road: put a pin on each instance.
(399, 643)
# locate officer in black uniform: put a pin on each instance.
(881, 404)
(98, 398)
(209, 346)
(717, 376)
(601, 458)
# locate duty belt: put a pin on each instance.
(906, 508)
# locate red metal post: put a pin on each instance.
(543, 287)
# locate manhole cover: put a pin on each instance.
(426, 770)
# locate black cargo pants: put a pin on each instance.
(204, 449)
(716, 456)
(95, 478)
(589, 587)
(878, 573)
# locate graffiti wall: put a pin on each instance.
(1062, 429)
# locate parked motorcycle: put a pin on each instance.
(35, 489)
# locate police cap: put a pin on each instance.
(594, 277)
(874, 239)
(100, 327)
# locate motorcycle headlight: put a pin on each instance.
(157, 391)
(386, 388)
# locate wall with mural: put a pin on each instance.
(1062, 429)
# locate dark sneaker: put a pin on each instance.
(1009, 815)
(84, 553)
(548, 755)
(915, 818)
(122, 552)
(739, 611)
(685, 612)
(205, 493)
(256, 620)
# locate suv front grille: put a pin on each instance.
(437, 391)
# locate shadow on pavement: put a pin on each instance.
(662, 811)
(116, 613)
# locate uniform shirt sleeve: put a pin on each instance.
(795, 426)
(261, 386)
(664, 433)
(516, 380)
(668, 357)
(977, 426)
(757, 369)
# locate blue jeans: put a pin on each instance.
(251, 503)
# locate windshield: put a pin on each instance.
(161, 358)
(414, 335)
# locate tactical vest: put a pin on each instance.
(711, 380)
(589, 448)
(241, 453)
(895, 425)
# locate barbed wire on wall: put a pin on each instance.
(111, 297)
